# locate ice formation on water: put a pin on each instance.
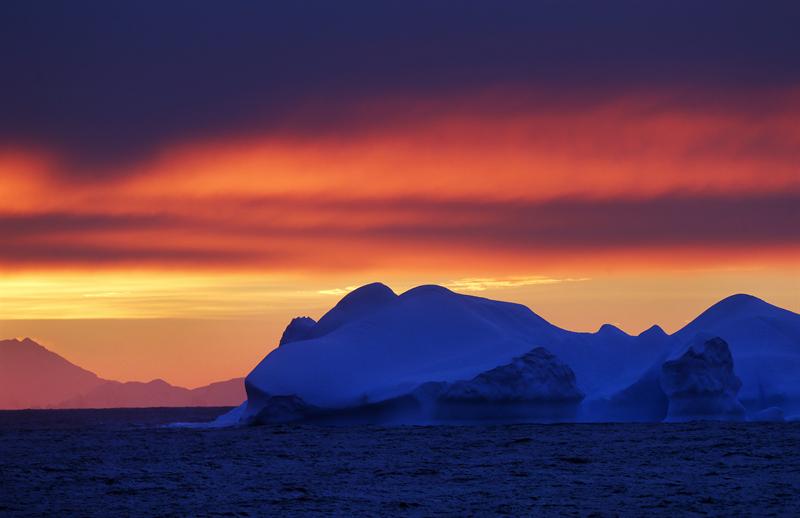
(377, 356)
(535, 376)
(701, 384)
(375, 345)
(771, 414)
(533, 387)
(764, 342)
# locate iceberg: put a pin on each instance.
(701, 384)
(535, 386)
(432, 355)
(772, 414)
(764, 341)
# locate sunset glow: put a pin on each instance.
(652, 191)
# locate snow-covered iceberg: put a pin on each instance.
(701, 384)
(375, 346)
(535, 386)
(764, 342)
(382, 357)
(535, 376)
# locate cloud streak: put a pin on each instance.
(380, 231)
(487, 283)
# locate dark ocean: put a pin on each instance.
(124, 462)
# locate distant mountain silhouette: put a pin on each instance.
(33, 377)
(132, 394)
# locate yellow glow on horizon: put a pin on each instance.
(132, 295)
(193, 329)
(163, 294)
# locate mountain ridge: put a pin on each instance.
(32, 376)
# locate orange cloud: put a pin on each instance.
(491, 178)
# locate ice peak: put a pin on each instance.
(375, 292)
(610, 329)
(427, 290)
(354, 306)
(653, 331)
(735, 307)
(738, 301)
(300, 328)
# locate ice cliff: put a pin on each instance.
(533, 387)
(701, 383)
(535, 376)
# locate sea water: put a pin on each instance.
(126, 462)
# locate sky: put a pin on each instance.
(178, 180)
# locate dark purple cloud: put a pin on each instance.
(358, 230)
(112, 81)
(26, 226)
